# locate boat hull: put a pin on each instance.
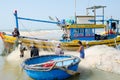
(54, 73)
(48, 45)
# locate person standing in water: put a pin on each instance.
(22, 49)
(58, 50)
(81, 50)
(34, 51)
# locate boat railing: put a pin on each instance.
(39, 67)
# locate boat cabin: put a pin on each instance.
(85, 27)
(88, 32)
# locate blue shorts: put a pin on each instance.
(82, 55)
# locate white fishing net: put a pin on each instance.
(102, 57)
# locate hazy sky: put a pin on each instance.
(41, 9)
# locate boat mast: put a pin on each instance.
(29, 19)
(75, 13)
(16, 19)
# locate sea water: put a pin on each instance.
(101, 62)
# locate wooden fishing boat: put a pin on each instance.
(83, 28)
(51, 67)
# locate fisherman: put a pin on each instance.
(58, 50)
(64, 36)
(34, 51)
(81, 50)
(16, 33)
(22, 49)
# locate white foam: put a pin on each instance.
(43, 34)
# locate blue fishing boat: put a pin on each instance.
(83, 28)
(51, 67)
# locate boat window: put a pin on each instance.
(89, 32)
(78, 32)
(81, 30)
(75, 31)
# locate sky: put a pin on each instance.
(42, 9)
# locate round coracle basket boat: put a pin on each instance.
(51, 67)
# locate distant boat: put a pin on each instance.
(83, 28)
(51, 67)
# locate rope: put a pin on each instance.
(116, 43)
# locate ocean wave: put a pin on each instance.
(42, 34)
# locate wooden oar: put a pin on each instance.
(71, 72)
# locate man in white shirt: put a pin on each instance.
(58, 50)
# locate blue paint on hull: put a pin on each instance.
(53, 74)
